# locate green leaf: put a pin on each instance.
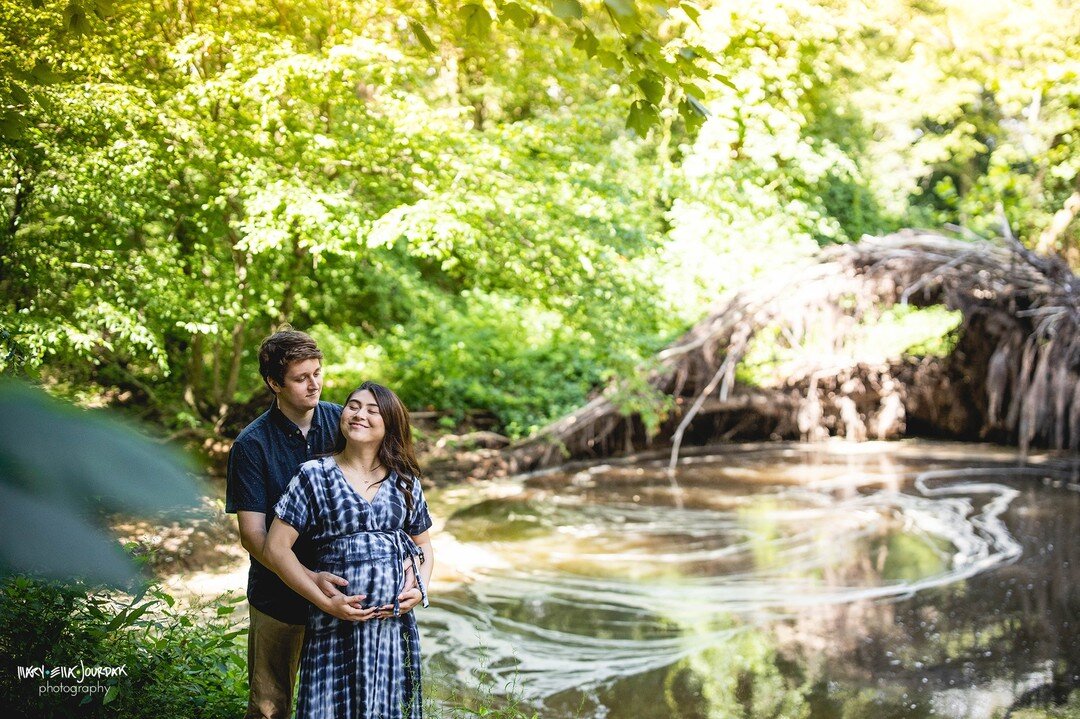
(75, 19)
(609, 60)
(586, 41)
(37, 536)
(692, 112)
(421, 36)
(516, 14)
(13, 125)
(44, 74)
(566, 9)
(477, 20)
(652, 89)
(622, 8)
(642, 117)
(100, 457)
(127, 617)
(104, 9)
(19, 96)
(698, 107)
(692, 12)
(110, 694)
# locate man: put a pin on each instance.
(265, 456)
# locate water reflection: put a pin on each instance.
(785, 582)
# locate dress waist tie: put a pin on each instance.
(406, 550)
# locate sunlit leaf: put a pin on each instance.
(622, 8)
(690, 115)
(566, 9)
(586, 41)
(642, 117)
(609, 60)
(697, 106)
(692, 11)
(421, 36)
(516, 14)
(477, 20)
(652, 89)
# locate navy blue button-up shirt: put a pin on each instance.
(264, 457)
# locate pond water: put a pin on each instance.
(888, 580)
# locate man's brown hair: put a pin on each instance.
(281, 349)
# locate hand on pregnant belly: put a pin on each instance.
(407, 601)
(348, 608)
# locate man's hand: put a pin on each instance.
(348, 608)
(328, 583)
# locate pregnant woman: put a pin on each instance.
(362, 511)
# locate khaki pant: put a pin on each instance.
(273, 661)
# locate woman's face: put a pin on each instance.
(361, 421)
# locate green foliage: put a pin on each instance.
(175, 663)
(985, 113)
(492, 205)
(886, 334)
(744, 677)
(274, 172)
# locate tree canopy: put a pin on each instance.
(489, 205)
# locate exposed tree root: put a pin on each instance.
(1011, 377)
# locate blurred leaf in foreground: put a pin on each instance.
(58, 467)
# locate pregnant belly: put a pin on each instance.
(379, 579)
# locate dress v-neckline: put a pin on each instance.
(357, 492)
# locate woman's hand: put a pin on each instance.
(407, 601)
(348, 608)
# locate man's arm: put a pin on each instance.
(252, 527)
(278, 550)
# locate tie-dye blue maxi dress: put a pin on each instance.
(358, 670)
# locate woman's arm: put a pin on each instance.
(278, 551)
(411, 597)
(423, 541)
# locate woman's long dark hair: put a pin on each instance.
(396, 452)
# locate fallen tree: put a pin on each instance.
(1011, 376)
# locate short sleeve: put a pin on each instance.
(418, 520)
(245, 488)
(295, 505)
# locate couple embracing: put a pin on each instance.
(330, 508)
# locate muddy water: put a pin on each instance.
(885, 580)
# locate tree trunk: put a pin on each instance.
(193, 386)
(240, 264)
(22, 193)
(288, 294)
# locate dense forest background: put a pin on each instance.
(493, 207)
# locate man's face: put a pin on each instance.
(302, 387)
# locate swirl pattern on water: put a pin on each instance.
(603, 585)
